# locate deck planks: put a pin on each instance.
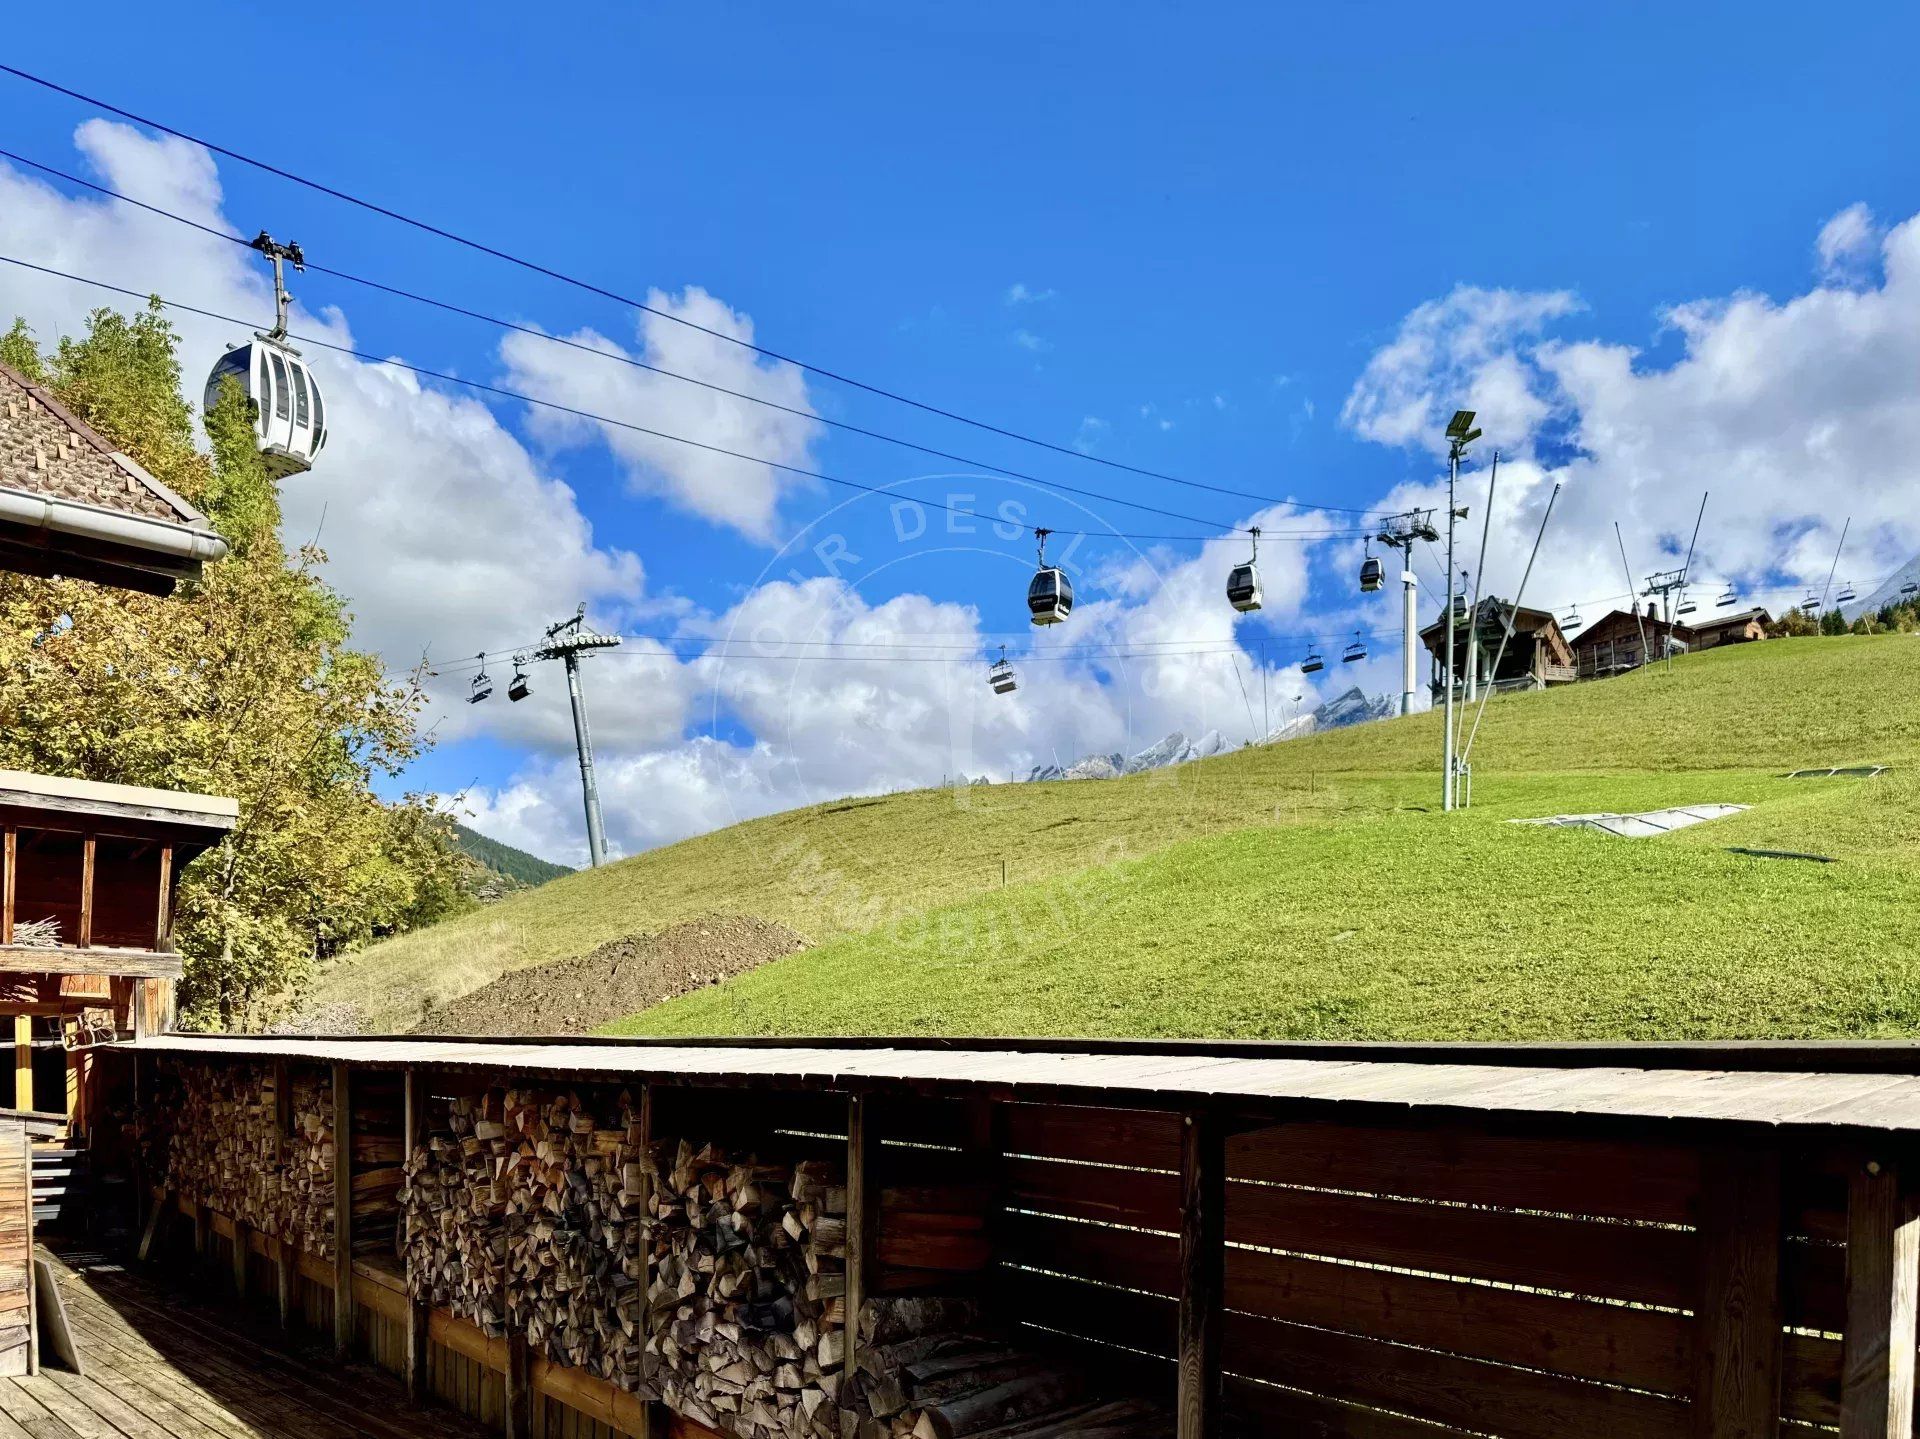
(161, 1367)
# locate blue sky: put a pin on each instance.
(1178, 237)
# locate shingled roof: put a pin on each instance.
(72, 504)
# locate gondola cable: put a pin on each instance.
(620, 357)
(578, 413)
(591, 288)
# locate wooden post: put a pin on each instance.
(9, 855)
(414, 1129)
(862, 1221)
(87, 848)
(285, 1268)
(23, 1061)
(163, 920)
(1883, 1277)
(241, 1244)
(519, 1415)
(1740, 1319)
(1203, 1204)
(342, 1209)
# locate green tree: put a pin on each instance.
(242, 684)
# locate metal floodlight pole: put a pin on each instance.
(1460, 433)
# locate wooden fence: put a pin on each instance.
(1401, 1279)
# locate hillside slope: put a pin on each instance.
(891, 865)
(515, 867)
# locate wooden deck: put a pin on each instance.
(163, 1367)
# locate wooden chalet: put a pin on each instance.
(1537, 655)
(88, 874)
(88, 871)
(1742, 628)
(1623, 640)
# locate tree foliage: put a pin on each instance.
(242, 684)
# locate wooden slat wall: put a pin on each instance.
(1406, 1281)
(1089, 1237)
(1514, 1285)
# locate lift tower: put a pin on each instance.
(567, 641)
(1399, 533)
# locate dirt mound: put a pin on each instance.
(575, 996)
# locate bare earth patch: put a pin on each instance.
(577, 996)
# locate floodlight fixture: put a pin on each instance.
(1459, 426)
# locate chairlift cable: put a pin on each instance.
(578, 413)
(591, 288)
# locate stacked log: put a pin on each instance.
(225, 1145)
(932, 1368)
(746, 1305)
(308, 1198)
(576, 1257)
(453, 1209)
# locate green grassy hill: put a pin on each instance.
(1307, 888)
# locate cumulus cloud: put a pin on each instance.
(738, 493)
(1462, 345)
(1797, 414)
(1846, 244)
(443, 532)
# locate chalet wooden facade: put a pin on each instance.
(1742, 628)
(1623, 640)
(88, 874)
(1537, 654)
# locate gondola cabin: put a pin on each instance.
(1243, 588)
(1050, 596)
(1372, 576)
(88, 878)
(289, 416)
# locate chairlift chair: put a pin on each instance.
(1050, 595)
(1910, 588)
(517, 687)
(1687, 606)
(482, 686)
(1571, 620)
(1845, 596)
(1355, 651)
(1314, 664)
(1243, 581)
(1731, 597)
(1000, 675)
(289, 416)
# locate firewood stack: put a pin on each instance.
(746, 1307)
(308, 1181)
(576, 1261)
(933, 1368)
(224, 1152)
(453, 1209)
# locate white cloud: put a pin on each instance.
(726, 490)
(1846, 245)
(1455, 353)
(1796, 414)
(441, 530)
(1022, 294)
(1092, 428)
(1027, 340)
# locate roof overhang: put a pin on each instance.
(56, 797)
(48, 535)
